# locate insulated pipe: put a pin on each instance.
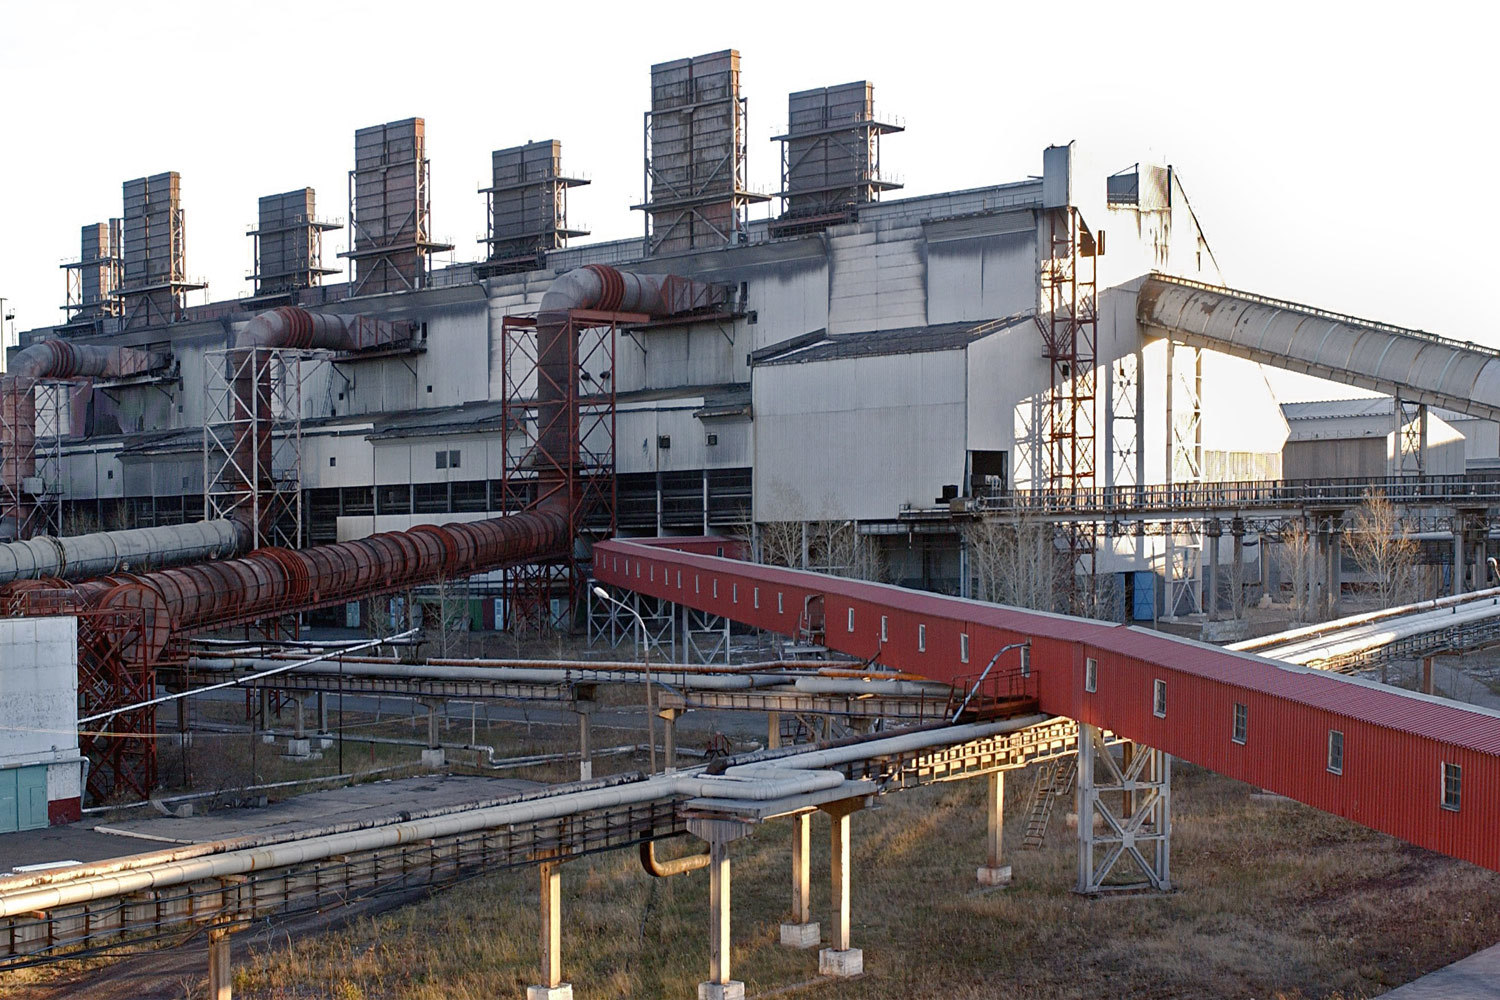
(777, 779)
(82, 557)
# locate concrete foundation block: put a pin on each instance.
(801, 935)
(268, 738)
(989, 876)
(732, 990)
(435, 758)
(562, 992)
(841, 963)
(325, 742)
(586, 771)
(298, 749)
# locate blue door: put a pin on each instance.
(1143, 607)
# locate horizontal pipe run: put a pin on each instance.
(754, 782)
(133, 550)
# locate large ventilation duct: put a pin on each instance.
(248, 472)
(274, 581)
(47, 359)
(1419, 367)
(82, 557)
(603, 288)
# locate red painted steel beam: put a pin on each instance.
(1395, 743)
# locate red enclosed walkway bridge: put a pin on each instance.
(1420, 768)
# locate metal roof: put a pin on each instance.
(820, 345)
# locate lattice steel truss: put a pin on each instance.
(261, 484)
(609, 625)
(1184, 413)
(533, 474)
(1069, 323)
(1411, 438)
(1132, 798)
(32, 419)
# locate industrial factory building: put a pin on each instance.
(868, 358)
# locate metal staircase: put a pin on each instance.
(1054, 780)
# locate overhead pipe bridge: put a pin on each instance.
(1175, 695)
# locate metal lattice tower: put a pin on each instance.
(1069, 324)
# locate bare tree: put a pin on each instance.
(1017, 563)
(829, 543)
(1297, 542)
(1383, 548)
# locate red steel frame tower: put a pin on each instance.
(533, 475)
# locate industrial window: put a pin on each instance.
(1452, 785)
(851, 620)
(963, 647)
(716, 588)
(755, 597)
(1159, 699)
(455, 459)
(1090, 675)
(734, 593)
(697, 586)
(333, 461)
(679, 579)
(1335, 751)
(442, 459)
(1026, 660)
(885, 634)
(778, 602)
(652, 577)
(1241, 723)
(921, 638)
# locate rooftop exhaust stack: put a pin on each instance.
(155, 252)
(390, 211)
(528, 206)
(696, 194)
(93, 278)
(830, 156)
(288, 244)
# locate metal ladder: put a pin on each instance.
(1054, 779)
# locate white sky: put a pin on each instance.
(1337, 154)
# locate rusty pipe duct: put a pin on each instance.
(657, 868)
(605, 289)
(248, 472)
(48, 359)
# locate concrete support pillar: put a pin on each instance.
(552, 987)
(719, 833)
(1480, 553)
(802, 931)
(584, 709)
(1211, 585)
(299, 727)
(668, 718)
(1334, 572)
(840, 959)
(773, 730)
(1458, 552)
(1237, 575)
(994, 872)
(220, 972)
(265, 708)
(322, 713)
(433, 756)
(1427, 682)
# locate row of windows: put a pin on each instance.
(1239, 732)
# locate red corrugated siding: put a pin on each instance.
(1394, 743)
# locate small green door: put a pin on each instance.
(23, 798)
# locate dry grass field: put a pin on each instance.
(1273, 901)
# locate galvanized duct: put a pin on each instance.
(81, 557)
(1420, 367)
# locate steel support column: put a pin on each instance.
(220, 970)
(719, 833)
(1141, 836)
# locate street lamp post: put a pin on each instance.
(600, 592)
